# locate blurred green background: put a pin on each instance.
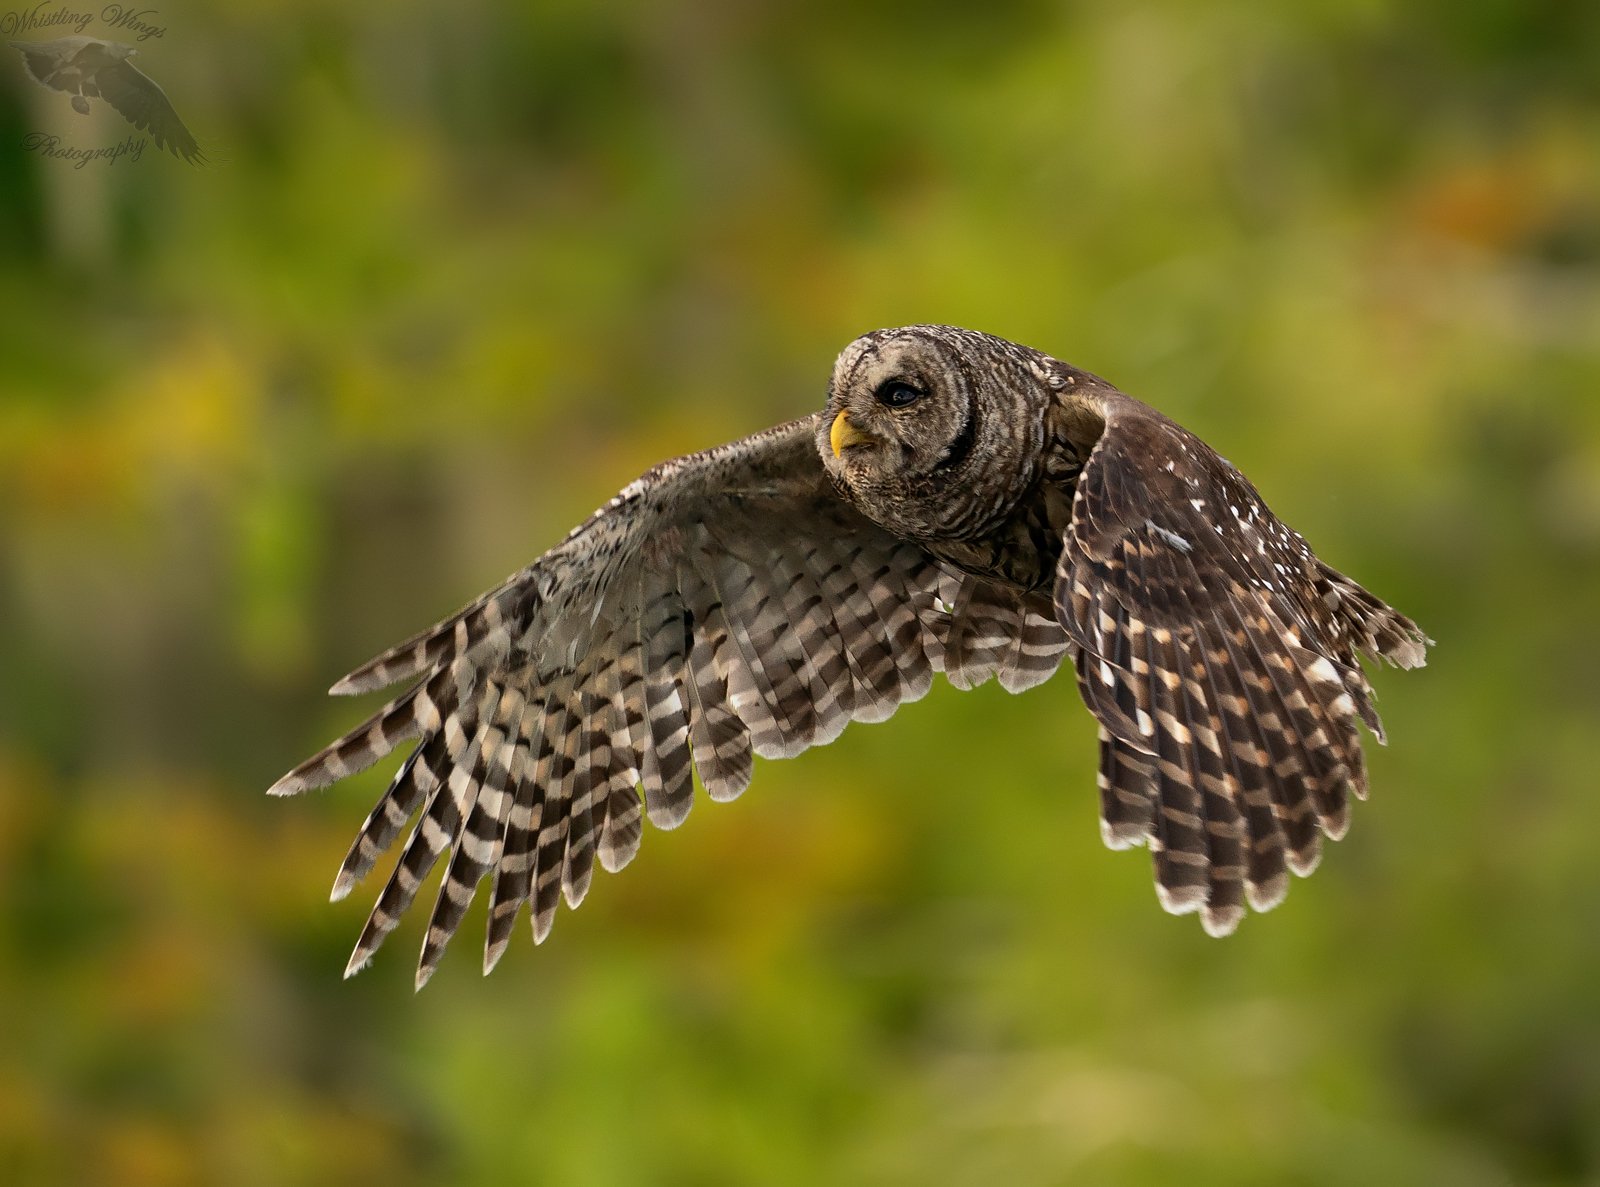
(458, 273)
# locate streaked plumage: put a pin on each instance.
(962, 505)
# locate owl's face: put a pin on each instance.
(929, 429)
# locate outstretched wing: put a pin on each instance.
(145, 105)
(1219, 655)
(41, 61)
(727, 604)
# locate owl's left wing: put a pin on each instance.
(1219, 655)
(727, 604)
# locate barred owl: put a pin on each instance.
(961, 505)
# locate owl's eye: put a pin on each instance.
(897, 393)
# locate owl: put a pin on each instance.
(962, 504)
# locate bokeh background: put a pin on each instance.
(456, 273)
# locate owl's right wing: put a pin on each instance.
(727, 604)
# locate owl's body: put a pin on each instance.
(962, 504)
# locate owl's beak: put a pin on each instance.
(844, 435)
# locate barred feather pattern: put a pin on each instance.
(962, 505)
(1218, 654)
(548, 736)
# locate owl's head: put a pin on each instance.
(933, 431)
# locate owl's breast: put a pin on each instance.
(1021, 550)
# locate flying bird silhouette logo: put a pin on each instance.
(89, 68)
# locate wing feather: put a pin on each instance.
(554, 771)
(571, 791)
(718, 738)
(1196, 729)
(514, 872)
(668, 774)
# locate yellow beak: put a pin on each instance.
(844, 435)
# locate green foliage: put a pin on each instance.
(462, 272)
